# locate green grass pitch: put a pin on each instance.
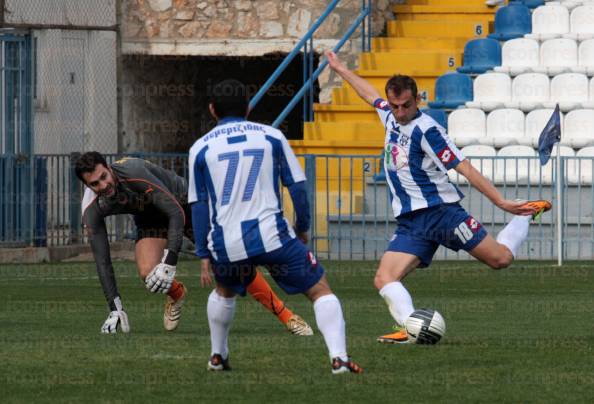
(524, 334)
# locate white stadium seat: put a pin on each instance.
(474, 153)
(516, 170)
(467, 126)
(518, 56)
(581, 23)
(547, 171)
(584, 166)
(549, 21)
(579, 128)
(491, 91)
(535, 123)
(585, 57)
(504, 127)
(557, 56)
(590, 103)
(529, 91)
(569, 90)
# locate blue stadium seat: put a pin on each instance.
(440, 116)
(532, 3)
(452, 90)
(511, 22)
(481, 55)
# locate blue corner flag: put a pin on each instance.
(550, 135)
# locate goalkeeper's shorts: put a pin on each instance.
(293, 267)
(154, 224)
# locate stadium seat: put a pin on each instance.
(480, 55)
(439, 115)
(452, 90)
(569, 90)
(491, 91)
(533, 3)
(547, 172)
(518, 56)
(590, 103)
(529, 91)
(535, 122)
(518, 167)
(581, 23)
(579, 128)
(513, 21)
(584, 168)
(549, 21)
(585, 58)
(474, 153)
(504, 127)
(557, 56)
(467, 126)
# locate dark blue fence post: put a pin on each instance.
(310, 174)
(75, 202)
(40, 200)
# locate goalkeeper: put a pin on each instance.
(157, 200)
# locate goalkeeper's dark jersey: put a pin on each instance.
(150, 193)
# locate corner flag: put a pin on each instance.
(550, 135)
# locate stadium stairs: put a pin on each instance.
(425, 40)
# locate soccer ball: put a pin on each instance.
(425, 326)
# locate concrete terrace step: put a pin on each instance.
(347, 134)
(413, 60)
(441, 29)
(439, 44)
(449, 3)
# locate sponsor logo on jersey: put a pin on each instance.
(473, 224)
(395, 156)
(446, 156)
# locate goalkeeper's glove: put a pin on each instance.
(159, 280)
(115, 318)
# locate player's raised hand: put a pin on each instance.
(333, 61)
(205, 277)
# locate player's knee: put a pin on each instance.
(382, 279)
(502, 260)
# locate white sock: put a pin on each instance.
(331, 324)
(399, 301)
(220, 311)
(514, 234)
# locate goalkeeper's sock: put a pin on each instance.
(220, 311)
(399, 301)
(513, 235)
(176, 291)
(262, 292)
(331, 324)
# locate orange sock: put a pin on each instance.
(176, 290)
(261, 291)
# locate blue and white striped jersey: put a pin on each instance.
(416, 159)
(237, 166)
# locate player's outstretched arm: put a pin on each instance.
(363, 88)
(478, 181)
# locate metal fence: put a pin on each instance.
(351, 211)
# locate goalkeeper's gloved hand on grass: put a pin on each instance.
(116, 318)
(159, 280)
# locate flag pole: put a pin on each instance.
(559, 211)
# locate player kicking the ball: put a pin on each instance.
(157, 199)
(235, 171)
(417, 155)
